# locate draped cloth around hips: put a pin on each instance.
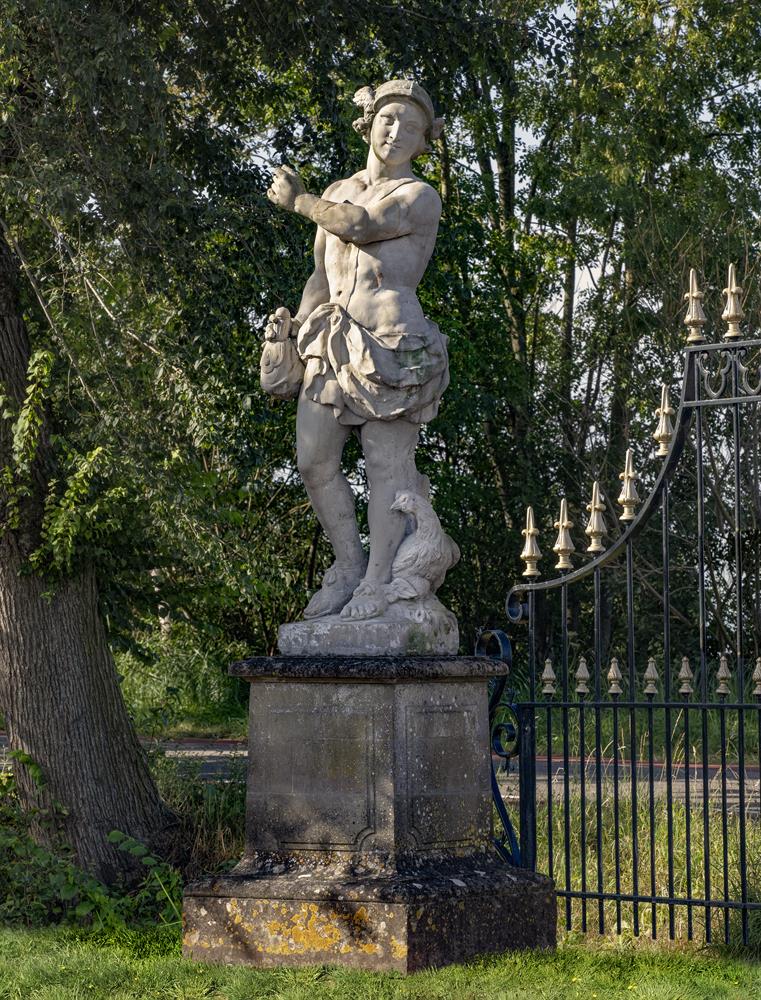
(366, 375)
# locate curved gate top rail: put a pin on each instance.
(600, 860)
(705, 383)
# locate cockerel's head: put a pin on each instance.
(407, 502)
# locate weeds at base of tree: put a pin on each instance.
(42, 885)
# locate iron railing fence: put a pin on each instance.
(638, 738)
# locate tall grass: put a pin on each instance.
(649, 865)
(212, 814)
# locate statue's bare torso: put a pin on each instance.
(376, 282)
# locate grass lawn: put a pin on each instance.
(58, 965)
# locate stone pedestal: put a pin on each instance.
(368, 823)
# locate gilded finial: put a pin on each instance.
(733, 310)
(722, 676)
(757, 678)
(530, 554)
(614, 679)
(628, 498)
(651, 678)
(564, 546)
(548, 679)
(695, 318)
(685, 676)
(596, 525)
(664, 432)
(582, 677)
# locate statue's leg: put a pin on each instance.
(389, 448)
(320, 441)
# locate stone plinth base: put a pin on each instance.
(431, 631)
(449, 913)
(368, 822)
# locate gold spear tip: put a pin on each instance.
(563, 546)
(733, 311)
(530, 529)
(695, 318)
(595, 528)
(628, 498)
(664, 431)
(530, 554)
(651, 677)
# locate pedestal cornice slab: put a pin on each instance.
(374, 669)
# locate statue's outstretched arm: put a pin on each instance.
(355, 223)
(394, 216)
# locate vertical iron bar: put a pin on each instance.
(527, 778)
(583, 797)
(703, 658)
(531, 646)
(616, 815)
(687, 814)
(598, 751)
(758, 718)
(566, 778)
(665, 556)
(739, 651)
(724, 829)
(651, 788)
(632, 729)
(550, 817)
(528, 820)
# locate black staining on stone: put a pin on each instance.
(366, 668)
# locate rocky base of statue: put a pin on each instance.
(403, 922)
(368, 823)
(406, 628)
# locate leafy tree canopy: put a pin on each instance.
(592, 155)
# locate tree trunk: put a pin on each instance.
(59, 691)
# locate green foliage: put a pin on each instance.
(77, 513)
(177, 681)
(39, 885)
(592, 154)
(26, 428)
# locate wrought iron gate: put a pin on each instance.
(635, 712)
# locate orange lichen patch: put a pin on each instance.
(312, 931)
(398, 948)
(307, 931)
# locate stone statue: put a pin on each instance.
(362, 357)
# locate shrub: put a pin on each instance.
(41, 885)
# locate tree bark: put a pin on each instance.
(59, 691)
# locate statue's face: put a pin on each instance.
(398, 131)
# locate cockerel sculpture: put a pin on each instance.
(424, 555)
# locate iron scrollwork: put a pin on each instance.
(714, 382)
(744, 372)
(503, 736)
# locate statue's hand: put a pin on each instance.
(278, 326)
(285, 188)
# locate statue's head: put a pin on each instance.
(398, 120)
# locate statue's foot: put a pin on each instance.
(367, 601)
(337, 587)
